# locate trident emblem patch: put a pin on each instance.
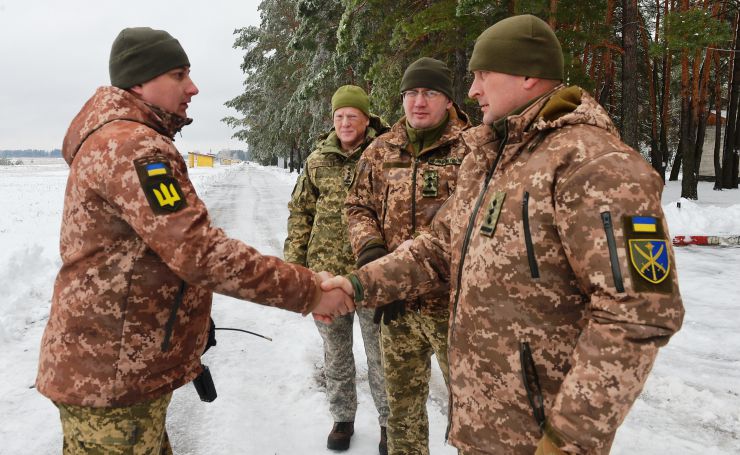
(166, 195)
(161, 189)
(650, 259)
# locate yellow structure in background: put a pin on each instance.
(196, 159)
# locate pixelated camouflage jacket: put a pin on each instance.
(396, 194)
(129, 314)
(317, 225)
(543, 249)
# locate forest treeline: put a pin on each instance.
(664, 70)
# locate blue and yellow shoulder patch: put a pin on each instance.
(162, 190)
(648, 252)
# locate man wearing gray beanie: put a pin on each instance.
(555, 246)
(129, 317)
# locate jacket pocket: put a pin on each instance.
(606, 219)
(169, 326)
(533, 267)
(385, 208)
(532, 384)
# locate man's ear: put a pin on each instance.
(137, 89)
(530, 82)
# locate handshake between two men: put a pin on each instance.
(337, 298)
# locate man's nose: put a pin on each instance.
(420, 100)
(473, 92)
(192, 89)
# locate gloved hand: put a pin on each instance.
(547, 447)
(370, 254)
(211, 336)
(389, 312)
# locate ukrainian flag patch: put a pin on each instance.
(644, 224)
(156, 169)
(162, 190)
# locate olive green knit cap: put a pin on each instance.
(350, 96)
(521, 46)
(140, 54)
(428, 73)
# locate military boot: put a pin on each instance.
(383, 446)
(340, 435)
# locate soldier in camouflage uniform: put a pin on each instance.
(317, 239)
(130, 312)
(403, 178)
(563, 281)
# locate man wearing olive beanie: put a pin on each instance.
(556, 248)
(402, 180)
(129, 317)
(317, 239)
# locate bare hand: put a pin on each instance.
(334, 301)
(322, 318)
(338, 282)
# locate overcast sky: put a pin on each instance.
(54, 54)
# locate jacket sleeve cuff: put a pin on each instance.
(315, 297)
(357, 286)
(372, 243)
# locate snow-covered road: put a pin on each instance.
(271, 398)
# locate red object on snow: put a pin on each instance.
(711, 240)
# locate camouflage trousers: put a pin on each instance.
(339, 365)
(131, 430)
(408, 344)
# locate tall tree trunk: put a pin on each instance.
(735, 157)
(665, 120)
(656, 160)
(701, 90)
(552, 18)
(717, 124)
(630, 130)
(688, 124)
(729, 145)
(292, 162)
(607, 67)
(460, 70)
(683, 121)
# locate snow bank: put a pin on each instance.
(715, 213)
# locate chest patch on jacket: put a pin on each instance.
(648, 252)
(488, 228)
(162, 190)
(431, 183)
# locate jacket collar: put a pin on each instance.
(458, 122)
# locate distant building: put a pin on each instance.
(234, 155)
(196, 159)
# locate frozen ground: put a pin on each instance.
(271, 395)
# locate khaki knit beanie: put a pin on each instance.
(350, 96)
(140, 54)
(521, 46)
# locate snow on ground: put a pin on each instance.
(716, 212)
(271, 394)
